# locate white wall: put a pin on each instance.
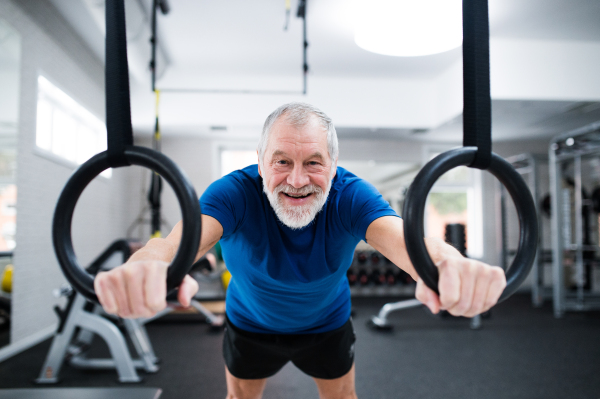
(49, 46)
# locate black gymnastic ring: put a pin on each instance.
(414, 211)
(79, 279)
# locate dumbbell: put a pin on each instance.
(352, 277)
(390, 277)
(377, 278)
(363, 278)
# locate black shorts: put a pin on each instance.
(325, 355)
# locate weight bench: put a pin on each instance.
(81, 319)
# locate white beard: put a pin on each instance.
(297, 217)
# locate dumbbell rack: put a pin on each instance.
(529, 166)
(372, 275)
(571, 148)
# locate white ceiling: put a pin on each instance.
(241, 44)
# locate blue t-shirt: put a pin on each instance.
(290, 281)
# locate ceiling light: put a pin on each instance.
(408, 28)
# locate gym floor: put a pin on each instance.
(520, 352)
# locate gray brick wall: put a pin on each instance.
(106, 207)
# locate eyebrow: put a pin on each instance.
(313, 155)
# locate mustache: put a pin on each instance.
(287, 189)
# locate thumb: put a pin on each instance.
(427, 296)
(187, 290)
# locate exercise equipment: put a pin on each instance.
(475, 153)
(300, 13)
(455, 236)
(81, 320)
(6, 290)
(7, 278)
(570, 209)
(121, 152)
(532, 167)
(373, 275)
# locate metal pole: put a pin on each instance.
(579, 274)
(557, 242)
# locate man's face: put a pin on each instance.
(296, 171)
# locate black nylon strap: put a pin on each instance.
(477, 118)
(118, 111)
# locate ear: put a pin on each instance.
(259, 171)
(334, 169)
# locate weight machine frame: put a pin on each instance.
(526, 165)
(570, 146)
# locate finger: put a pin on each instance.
(482, 285)
(104, 293)
(120, 292)
(187, 290)
(449, 284)
(155, 288)
(427, 297)
(497, 286)
(468, 277)
(134, 281)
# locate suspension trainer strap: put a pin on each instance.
(156, 180)
(118, 111)
(477, 119)
(301, 13)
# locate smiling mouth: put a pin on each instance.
(296, 196)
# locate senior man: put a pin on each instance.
(288, 229)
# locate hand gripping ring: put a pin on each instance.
(414, 209)
(83, 282)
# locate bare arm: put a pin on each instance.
(164, 249)
(467, 287)
(138, 288)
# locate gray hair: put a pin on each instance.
(298, 115)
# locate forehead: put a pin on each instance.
(289, 138)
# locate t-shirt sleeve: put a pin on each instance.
(225, 200)
(360, 204)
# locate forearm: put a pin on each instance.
(165, 249)
(159, 249)
(386, 235)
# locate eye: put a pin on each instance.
(281, 162)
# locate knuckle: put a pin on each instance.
(498, 274)
(157, 304)
(129, 272)
(472, 268)
(114, 277)
(486, 273)
(450, 297)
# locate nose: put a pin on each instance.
(298, 177)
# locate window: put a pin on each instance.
(236, 159)
(456, 198)
(65, 128)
